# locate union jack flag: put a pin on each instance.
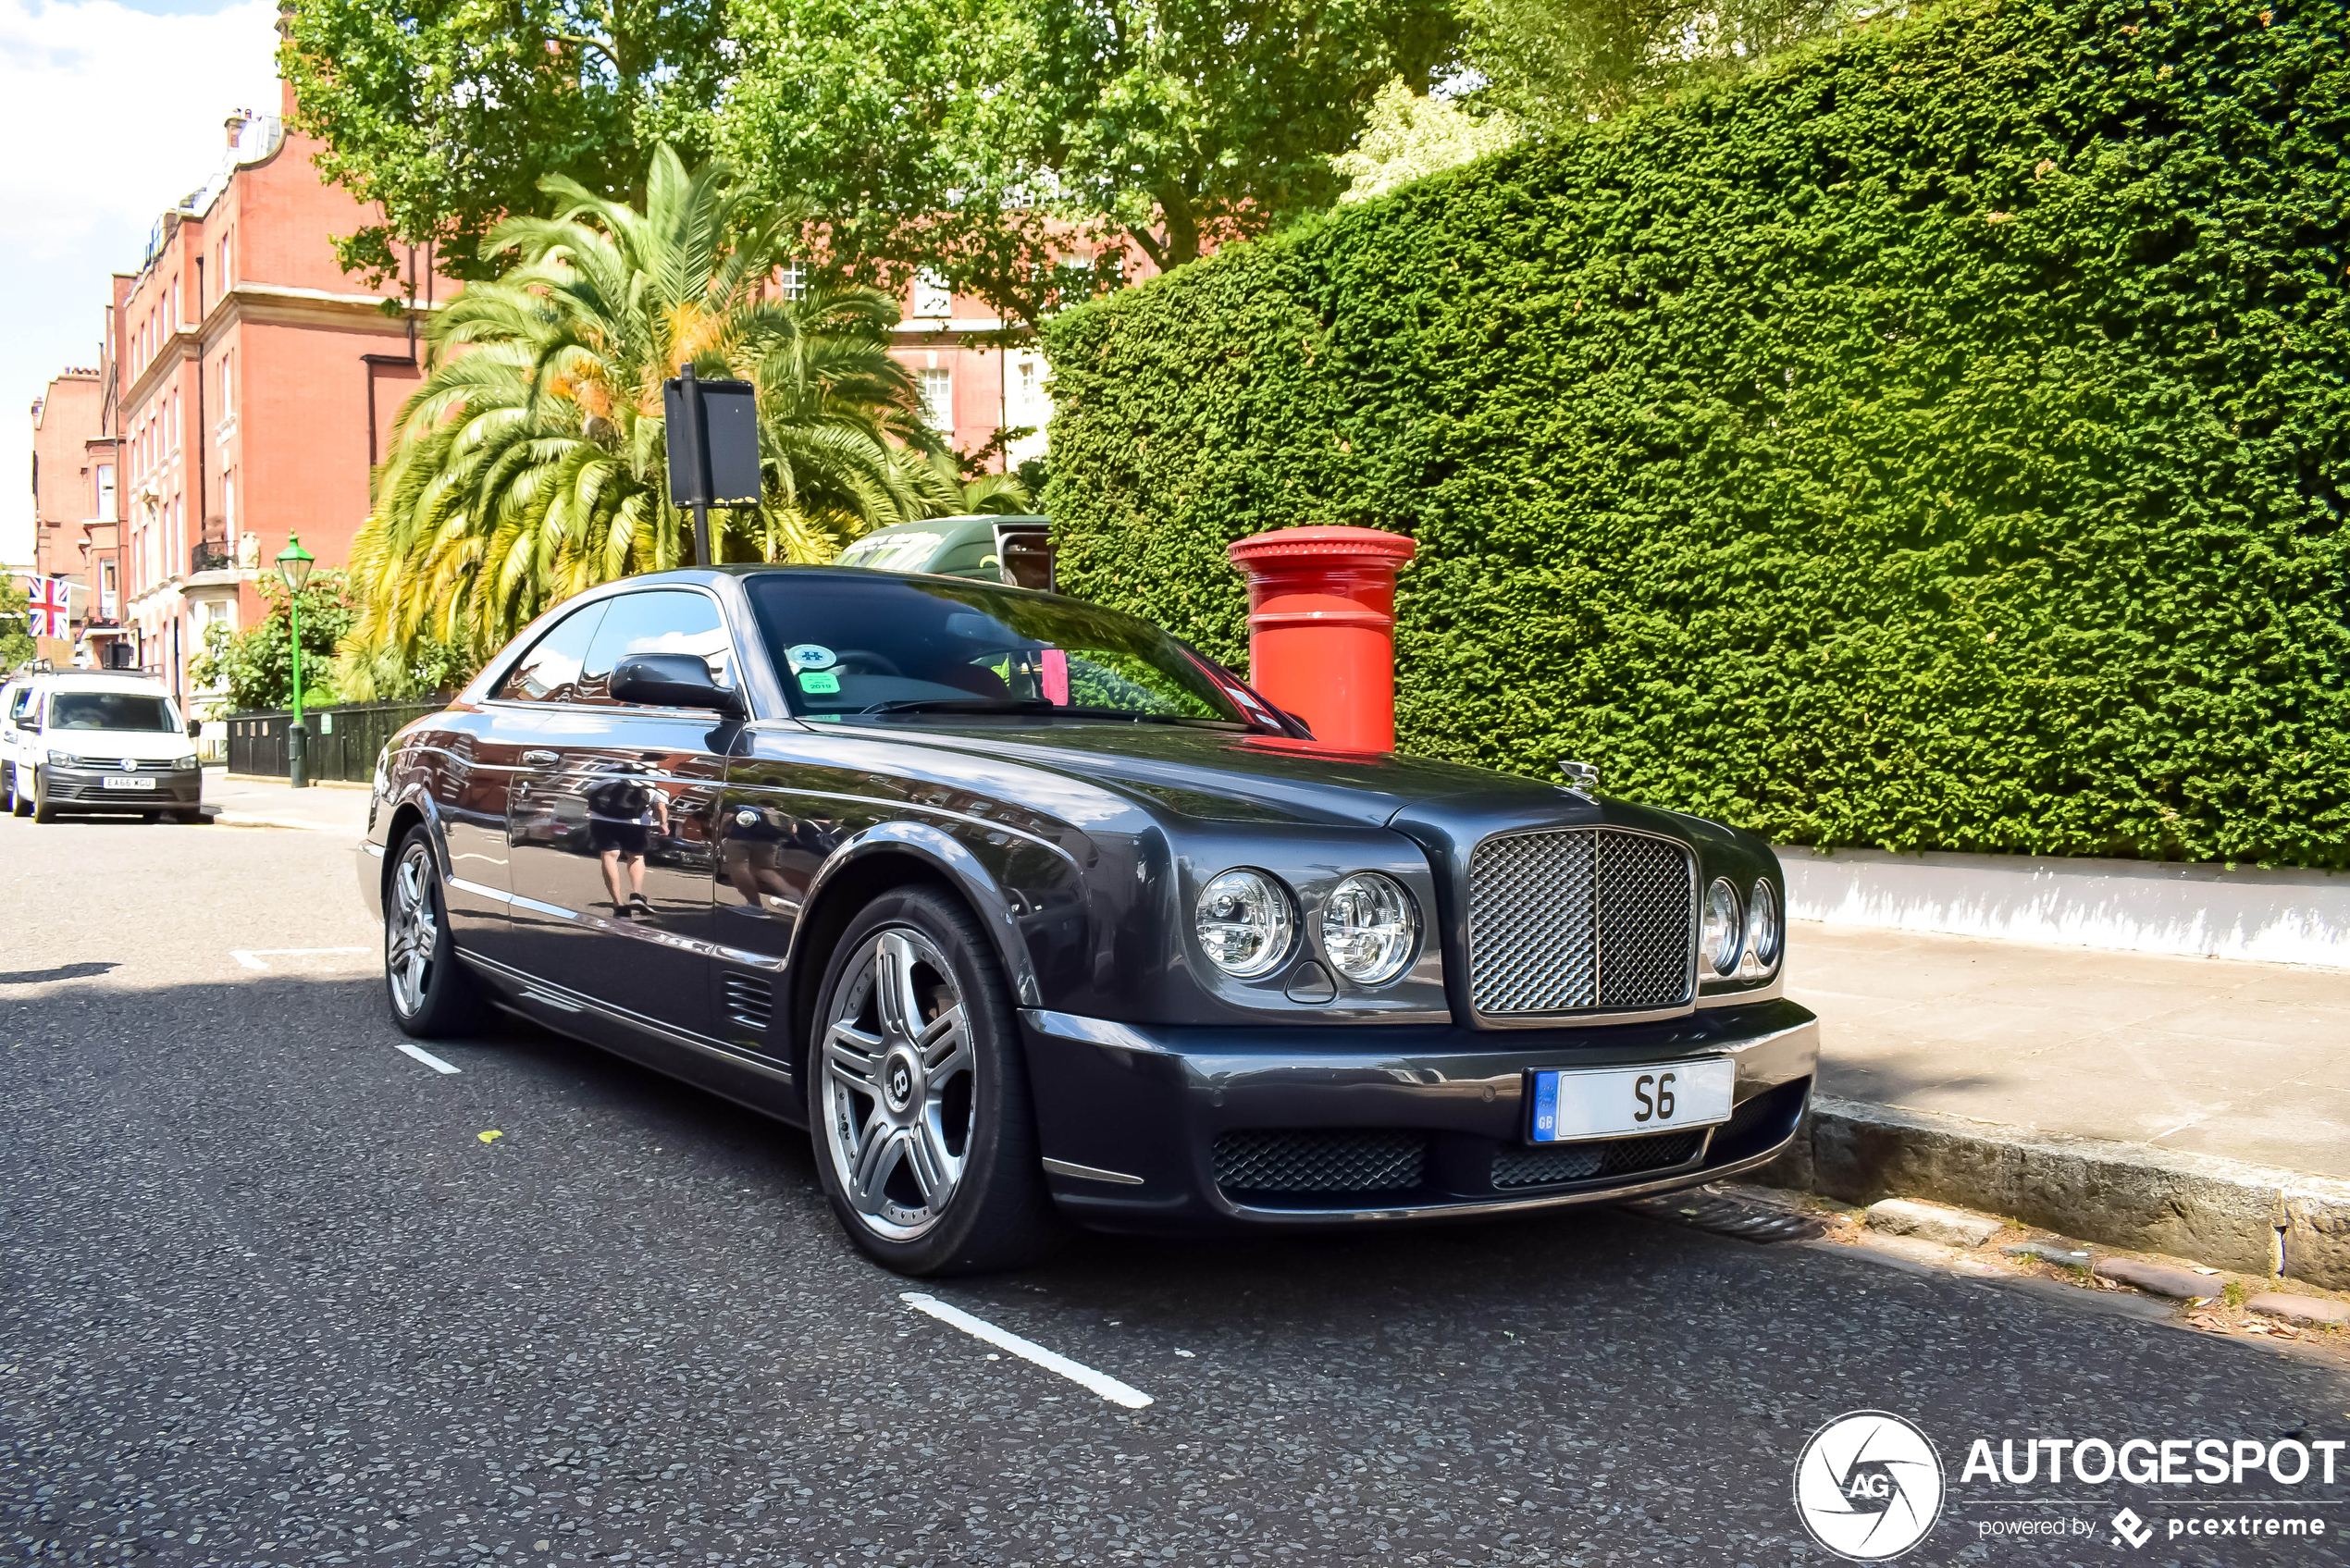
(48, 610)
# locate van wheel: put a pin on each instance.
(19, 803)
(925, 1138)
(432, 997)
(42, 810)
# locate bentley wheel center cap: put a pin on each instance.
(898, 1082)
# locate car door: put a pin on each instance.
(613, 822)
(477, 759)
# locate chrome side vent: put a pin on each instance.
(750, 1002)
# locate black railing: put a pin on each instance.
(343, 743)
(210, 558)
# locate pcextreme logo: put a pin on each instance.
(1868, 1486)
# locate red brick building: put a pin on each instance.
(252, 379)
(76, 508)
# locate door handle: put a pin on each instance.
(541, 758)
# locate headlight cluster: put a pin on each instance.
(1741, 937)
(1247, 925)
(64, 759)
(184, 763)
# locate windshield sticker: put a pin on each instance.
(821, 683)
(811, 655)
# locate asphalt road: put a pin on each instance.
(268, 1295)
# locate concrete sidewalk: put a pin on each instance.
(272, 803)
(2244, 1061)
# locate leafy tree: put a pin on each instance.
(1409, 136)
(533, 463)
(1025, 150)
(15, 643)
(1564, 62)
(256, 664)
(449, 113)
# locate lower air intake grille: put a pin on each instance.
(1596, 1161)
(1319, 1160)
(749, 1001)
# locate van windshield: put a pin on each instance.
(111, 710)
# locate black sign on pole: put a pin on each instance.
(713, 448)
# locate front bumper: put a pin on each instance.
(84, 789)
(1433, 1116)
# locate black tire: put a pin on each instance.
(18, 805)
(995, 1211)
(42, 810)
(432, 994)
(192, 816)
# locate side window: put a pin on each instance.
(550, 671)
(658, 620)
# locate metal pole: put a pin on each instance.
(697, 451)
(297, 742)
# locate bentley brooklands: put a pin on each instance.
(1032, 915)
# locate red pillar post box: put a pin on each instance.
(1321, 628)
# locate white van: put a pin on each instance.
(94, 741)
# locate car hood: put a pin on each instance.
(1224, 775)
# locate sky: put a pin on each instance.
(115, 112)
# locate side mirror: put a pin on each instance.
(670, 680)
(195, 728)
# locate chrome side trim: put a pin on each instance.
(535, 907)
(627, 928)
(1090, 1173)
(1100, 1032)
(546, 994)
(496, 896)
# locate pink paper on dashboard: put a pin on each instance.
(1055, 672)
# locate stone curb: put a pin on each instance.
(2253, 1220)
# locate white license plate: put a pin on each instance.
(1570, 1106)
(120, 781)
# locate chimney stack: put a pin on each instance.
(235, 126)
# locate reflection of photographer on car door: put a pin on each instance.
(623, 811)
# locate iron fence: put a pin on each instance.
(344, 740)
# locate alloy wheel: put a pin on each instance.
(413, 934)
(900, 1084)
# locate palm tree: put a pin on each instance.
(531, 462)
(938, 479)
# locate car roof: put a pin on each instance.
(102, 680)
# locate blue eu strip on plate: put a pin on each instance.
(1546, 1106)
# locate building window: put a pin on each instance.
(108, 609)
(931, 297)
(105, 491)
(228, 393)
(791, 281)
(228, 507)
(1031, 407)
(227, 277)
(938, 400)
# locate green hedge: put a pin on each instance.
(1936, 441)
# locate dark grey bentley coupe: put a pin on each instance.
(1031, 914)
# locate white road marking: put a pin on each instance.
(1085, 1377)
(251, 956)
(426, 1056)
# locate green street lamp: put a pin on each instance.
(293, 565)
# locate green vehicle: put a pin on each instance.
(986, 548)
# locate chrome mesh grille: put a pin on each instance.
(1319, 1160)
(1571, 919)
(1547, 1167)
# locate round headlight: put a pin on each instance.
(1723, 936)
(1369, 927)
(1244, 923)
(1763, 926)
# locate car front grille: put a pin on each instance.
(1580, 919)
(1596, 1161)
(1320, 1160)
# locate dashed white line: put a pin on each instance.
(426, 1056)
(1079, 1373)
(251, 956)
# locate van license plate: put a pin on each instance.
(1617, 1102)
(118, 781)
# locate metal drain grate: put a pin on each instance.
(1726, 1216)
(1515, 1167)
(1319, 1160)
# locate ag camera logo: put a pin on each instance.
(1868, 1486)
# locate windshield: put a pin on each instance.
(909, 551)
(111, 710)
(848, 646)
